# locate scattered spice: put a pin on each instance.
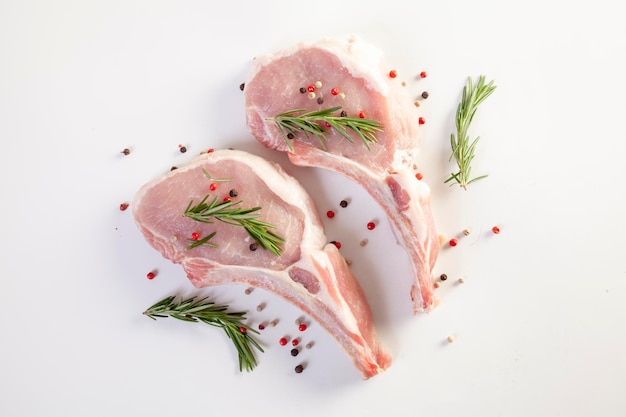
(213, 186)
(495, 229)
(233, 193)
(330, 214)
(253, 246)
(243, 330)
(173, 168)
(302, 90)
(211, 150)
(242, 86)
(309, 345)
(182, 149)
(362, 114)
(311, 95)
(334, 91)
(295, 351)
(299, 369)
(311, 88)
(123, 206)
(436, 285)
(320, 100)
(302, 327)
(443, 277)
(363, 242)
(343, 113)
(336, 243)
(343, 203)
(282, 341)
(151, 275)
(417, 104)
(393, 74)
(419, 176)
(348, 261)
(248, 290)
(318, 84)
(371, 226)
(195, 236)
(274, 322)
(451, 339)
(423, 74)
(425, 94)
(261, 326)
(295, 342)
(466, 232)
(453, 242)
(260, 307)
(461, 280)
(421, 120)
(342, 95)
(126, 151)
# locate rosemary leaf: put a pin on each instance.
(463, 148)
(192, 310)
(299, 120)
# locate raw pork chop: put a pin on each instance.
(310, 272)
(352, 75)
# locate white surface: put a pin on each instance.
(539, 322)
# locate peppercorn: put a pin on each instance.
(173, 168)
(253, 247)
(425, 94)
(289, 135)
(299, 369)
(183, 149)
(295, 351)
(233, 193)
(320, 100)
(242, 86)
(443, 277)
(302, 90)
(126, 151)
(343, 113)
(343, 203)
(123, 206)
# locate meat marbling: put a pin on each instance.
(310, 272)
(361, 76)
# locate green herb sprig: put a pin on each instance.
(292, 122)
(462, 147)
(215, 315)
(246, 217)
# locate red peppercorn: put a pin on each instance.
(150, 275)
(362, 114)
(123, 206)
(243, 330)
(211, 150)
(195, 236)
(282, 341)
(371, 226)
(495, 229)
(327, 124)
(311, 88)
(419, 176)
(423, 74)
(213, 186)
(421, 120)
(334, 91)
(453, 242)
(295, 342)
(227, 199)
(330, 214)
(393, 74)
(261, 326)
(302, 327)
(337, 244)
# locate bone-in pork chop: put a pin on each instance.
(307, 271)
(353, 75)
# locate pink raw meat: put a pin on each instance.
(310, 272)
(353, 75)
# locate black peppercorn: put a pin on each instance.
(294, 352)
(443, 277)
(289, 135)
(299, 369)
(183, 149)
(233, 193)
(320, 100)
(242, 86)
(302, 90)
(343, 113)
(126, 151)
(253, 247)
(425, 94)
(343, 203)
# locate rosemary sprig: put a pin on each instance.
(292, 122)
(215, 315)
(246, 217)
(462, 148)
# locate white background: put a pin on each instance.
(539, 321)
